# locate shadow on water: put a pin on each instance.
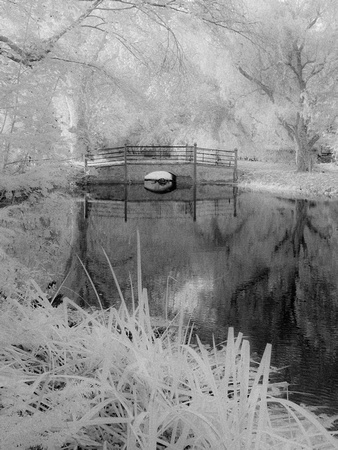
(264, 265)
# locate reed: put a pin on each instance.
(104, 379)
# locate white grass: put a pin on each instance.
(108, 382)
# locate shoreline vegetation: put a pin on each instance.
(74, 379)
(275, 178)
(284, 180)
(114, 379)
(280, 179)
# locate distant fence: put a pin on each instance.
(170, 154)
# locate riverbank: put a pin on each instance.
(284, 180)
(277, 178)
(115, 379)
(39, 181)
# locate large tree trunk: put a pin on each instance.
(304, 154)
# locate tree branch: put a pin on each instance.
(290, 129)
(315, 70)
(25, 57)
(313, 140)
(264, 88)
(52, 41)
(289, 64)
(314, 21)
(40, 50)
(13, 46)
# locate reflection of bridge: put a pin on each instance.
(163, 155)
(159, 210)
(132, 208)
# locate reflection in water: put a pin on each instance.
(133, 202)
(264, 265)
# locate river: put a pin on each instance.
(265, 265)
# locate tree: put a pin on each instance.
(167, 101)
(289, 53)
(30, 127)
(30, 48)
(103, 50)
(31, 81)
(60, 44)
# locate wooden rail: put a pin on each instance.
(164, 154)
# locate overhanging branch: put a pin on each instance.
(263, 86)
(37, 52)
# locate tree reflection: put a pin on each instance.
(287, 294)
(270, 271)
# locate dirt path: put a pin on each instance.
(284, 180)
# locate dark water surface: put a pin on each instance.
(264, 265)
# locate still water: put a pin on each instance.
(264, 265)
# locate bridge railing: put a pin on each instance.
(164, 154)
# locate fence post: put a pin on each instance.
(195, 163)
(125, 164)
(85, 162)
(235, 165)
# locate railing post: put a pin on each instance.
(235, 165)
(195, 163)
(195, 181)
(125, 164)
(194, 202)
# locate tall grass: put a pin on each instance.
(77, 379)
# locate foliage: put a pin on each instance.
(29, 126)
(72, 378)
(49, 50)
(39, 179)
(101, 71)
(40, 226)
(78, 75)
(285, 55)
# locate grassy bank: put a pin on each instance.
(78, 379)
(284, 180)
(39, 180)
